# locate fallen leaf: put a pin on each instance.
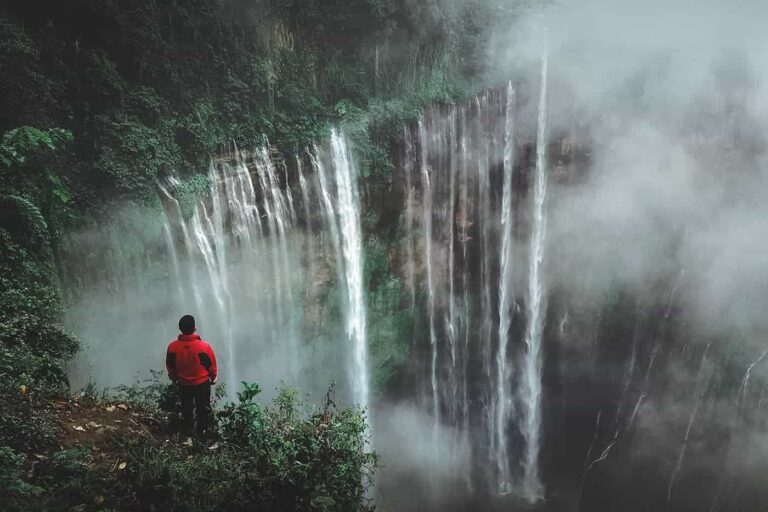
(110, 408)
(122, 406)
(93, 424)
(78, 428)
(122, 465)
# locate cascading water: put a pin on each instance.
(427, 226)
(469, 179)
(503, 402)
(532, 361)
(410, 270)
(250, 261)
(459, 156)
(349, 226)
(341, 218)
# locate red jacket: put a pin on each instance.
(190, 360)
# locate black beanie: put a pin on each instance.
(187, 324)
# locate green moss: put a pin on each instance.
(189, 192)
(390, 324)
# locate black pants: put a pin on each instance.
(197, 400)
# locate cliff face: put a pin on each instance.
(642, 400)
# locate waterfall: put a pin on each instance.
(482, 368)
(191, 275)
(532, 361)
(702, 384)
(427, 204)
(349, 224)
(340, 206)
(410, 270)
(235, 262)
(466, 247)
(450, 227)
(503, 401)
(485, 229)
(171, 248)
(281, 217)
(310, 235)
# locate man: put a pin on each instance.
(191, 364)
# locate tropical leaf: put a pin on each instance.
(59, 189)
(29, 211)
(17, 144)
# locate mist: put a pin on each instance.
(664, 100)
(665, 97)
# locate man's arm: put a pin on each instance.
(213, 371)
(208, 360)
(170, 365)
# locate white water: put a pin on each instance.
(352, 249)
(171, 247)
(236, 264)
(465, 248)
(486, 225)
(450, 230)
(410, 263)
(530, 392)
(503, 403)
(427, 227)
(482, 376)
(701, 390)
(309, 240)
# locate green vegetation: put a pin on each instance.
(283, 457)
(390, 321)
(148, 87)
(33, 348)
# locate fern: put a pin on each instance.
(17, 144)
(29, 211)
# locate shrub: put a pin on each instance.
(282, 457)
(14, 489)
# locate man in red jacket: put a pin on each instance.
(191, 364)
